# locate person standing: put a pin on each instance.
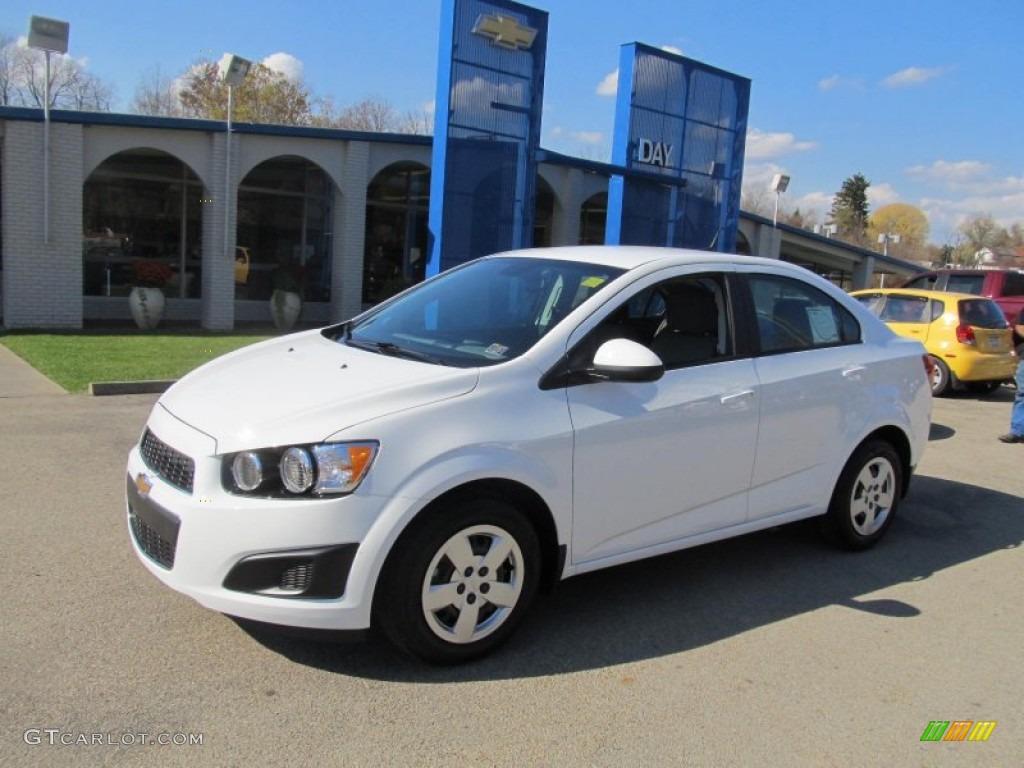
(1016, 433)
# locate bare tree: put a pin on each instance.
(23, 80)
(7, 86)
(157, 94)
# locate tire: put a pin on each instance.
(865, 498)
(983, 387)
(458, 581)
(941, 379)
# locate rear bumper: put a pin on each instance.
(982, 367)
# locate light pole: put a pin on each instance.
(885, 238)
(49, 36)
(232, 70)
(780, 183)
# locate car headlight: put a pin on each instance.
(247, 471)
(301, 470)
(341, 466)
(297, 470)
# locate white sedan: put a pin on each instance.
(425, 468)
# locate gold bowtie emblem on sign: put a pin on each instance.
(143, 484)
(505, 31)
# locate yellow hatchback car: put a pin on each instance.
(967, 337)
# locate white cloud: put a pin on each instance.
(285, 64)
(610, 85)
(913, 76)
(764, 145)
(952, 174)
(429, 107)
(882, 194)
(828, 83)
(588, 137)
(672, 49)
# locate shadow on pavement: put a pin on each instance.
(696, 597)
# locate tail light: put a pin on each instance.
(929, 365)
(965, 334)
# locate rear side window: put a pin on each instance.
(965, 284)
(793, 316)
(1013, 284)
(905, 309)
(982, 313)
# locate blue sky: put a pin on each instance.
(926, 99)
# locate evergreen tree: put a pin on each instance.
(850, 210)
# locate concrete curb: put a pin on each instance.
(150, 387)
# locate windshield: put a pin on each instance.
(982, 313)
(484, 313)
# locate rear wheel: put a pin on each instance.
(459, 581)
(941, 378)
(865, 498)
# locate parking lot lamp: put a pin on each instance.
(780, 182)
(885, 238)
(232, 70)
(48, 36)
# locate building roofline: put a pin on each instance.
(867, 252)
(211, 126)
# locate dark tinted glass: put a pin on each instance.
(982, 313)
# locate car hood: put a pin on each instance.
(302, 389)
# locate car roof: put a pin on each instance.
(631, 256)
(919, 293)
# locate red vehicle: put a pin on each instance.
(1004, 286)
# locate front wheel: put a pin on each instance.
(865, 498)
(459, 580)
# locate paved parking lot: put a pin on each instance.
(767, 650)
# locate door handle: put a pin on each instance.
(737, 397)
(854, 372)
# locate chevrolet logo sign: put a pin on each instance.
(505, 32)
(143, 484)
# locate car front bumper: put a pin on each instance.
(291, 562)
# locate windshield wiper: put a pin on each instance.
(393, 350)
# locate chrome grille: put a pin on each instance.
(172, 466)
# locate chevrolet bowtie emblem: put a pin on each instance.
(505, 31)
(143, 484)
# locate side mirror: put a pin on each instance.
(625, 360)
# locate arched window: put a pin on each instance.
(593, 216)
(141, 206)
(397, 204)
(544, 211)
(284, 230)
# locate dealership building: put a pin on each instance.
(225, 213)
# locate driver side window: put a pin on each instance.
(684, 321)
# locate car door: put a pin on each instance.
(655, 462)
(812, 371)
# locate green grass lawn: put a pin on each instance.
(73, 359)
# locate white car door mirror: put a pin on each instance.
(625, 360)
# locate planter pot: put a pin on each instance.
(147, 306)
(285, 307)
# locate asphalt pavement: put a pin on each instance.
(767, 650)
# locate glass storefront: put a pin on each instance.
(284, 230)
(397, 204)
(142, 212)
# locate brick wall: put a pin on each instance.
(42, 283)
